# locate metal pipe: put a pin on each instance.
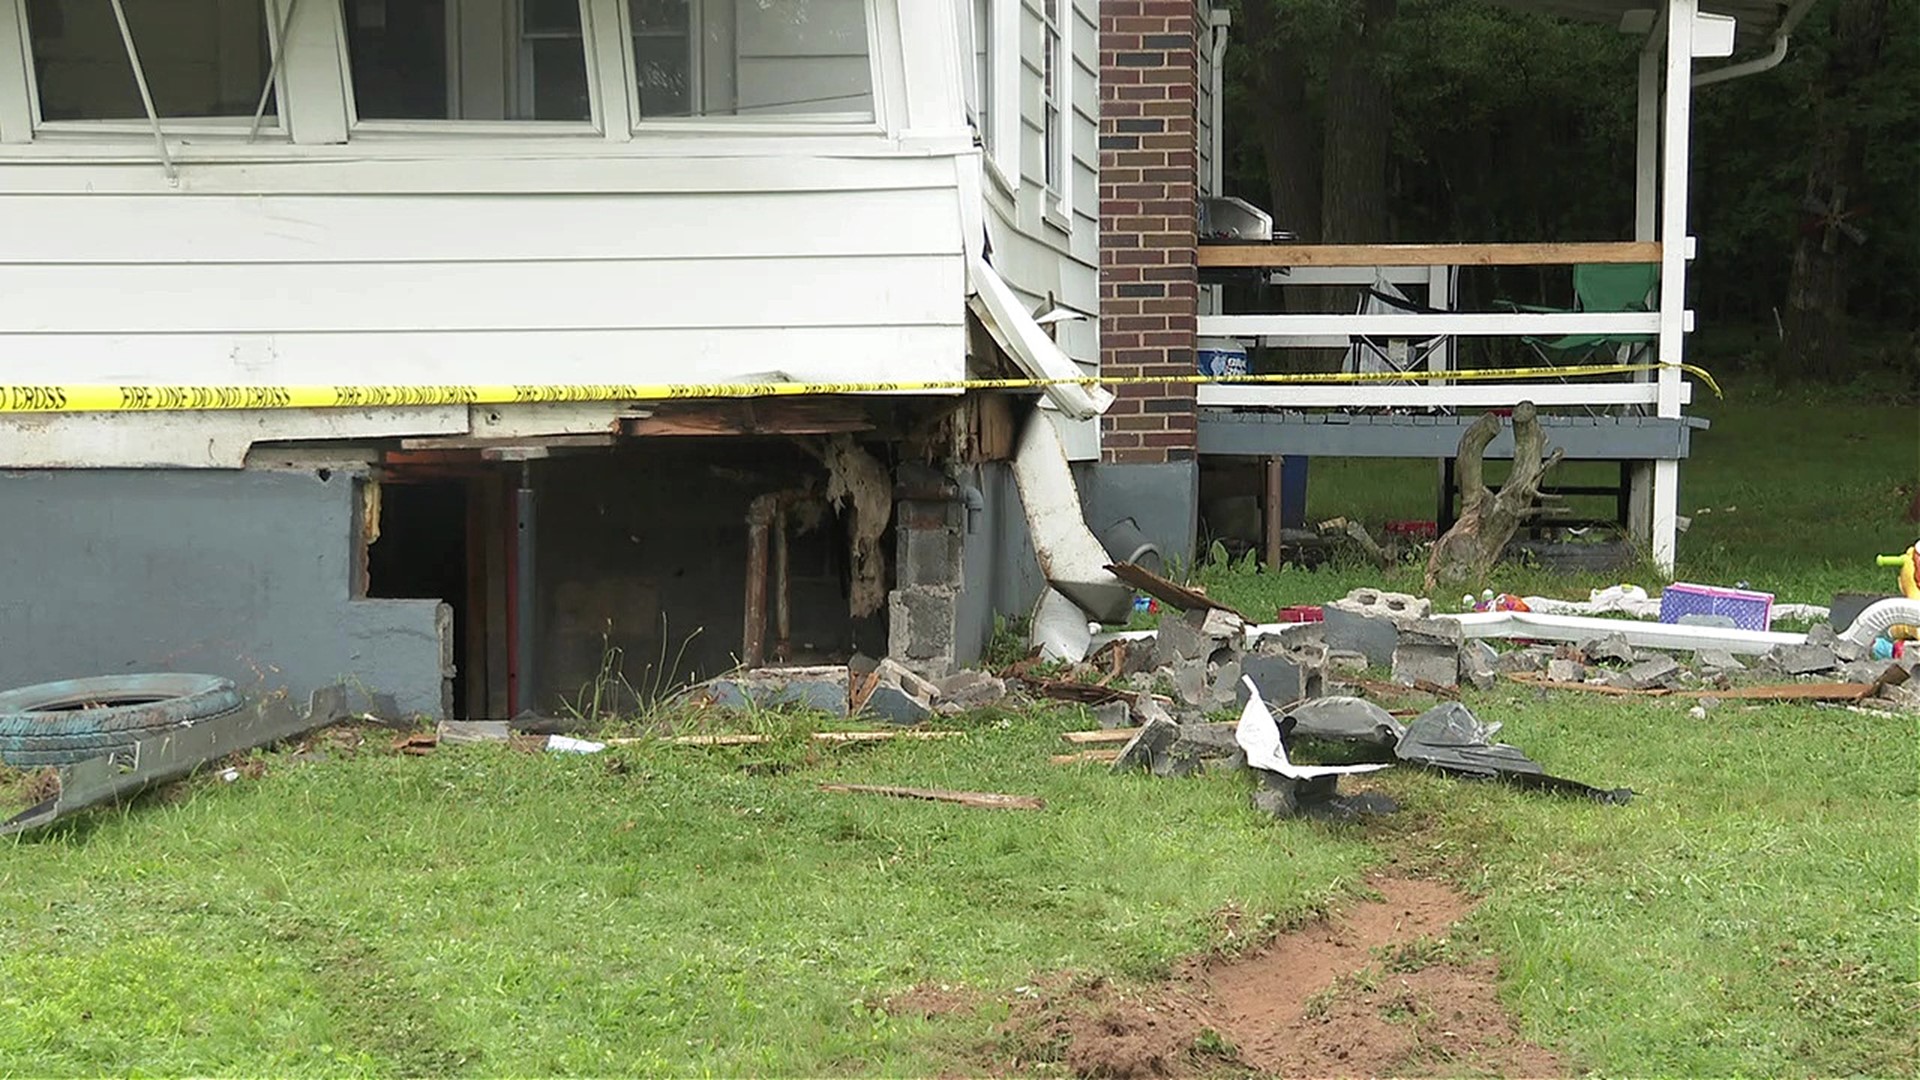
(146, 95)
(524, 640)
(782, 587)
(753, 636)
(1276, 490)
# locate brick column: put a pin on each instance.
(1149, 184)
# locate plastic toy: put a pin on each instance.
(1489, 602)
(1909, 563)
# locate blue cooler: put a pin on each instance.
(1220, 356)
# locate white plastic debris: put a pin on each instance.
(1259, 736)
(565, 744)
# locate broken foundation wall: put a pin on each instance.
(243, 574)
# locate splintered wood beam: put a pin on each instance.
(784, 416)
(1110, 735)
(1261, 256)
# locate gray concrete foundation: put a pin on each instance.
(242, 574)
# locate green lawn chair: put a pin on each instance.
(1598, 287)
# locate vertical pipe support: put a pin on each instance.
(1276, 490)
(753, 635)
(524, 638)
(782, 587)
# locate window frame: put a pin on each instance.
(999, 92)
(1056, 112)
(513, 47)
(273, 125)
(757, 124)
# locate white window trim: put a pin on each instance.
(272, 127)
(1057, 197)
(825, 123)
(1001, 144)
(590, 127)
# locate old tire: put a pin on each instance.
(62, 722)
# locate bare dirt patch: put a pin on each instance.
(929, 1000)
(1370, 992)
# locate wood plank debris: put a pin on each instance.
(1103, 757)
(984, 800)
(1113, 735)
(1167, 592)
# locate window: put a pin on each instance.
(753, 58)
(1052, 79)
(468, 60)
(201, 58)
(980, 92)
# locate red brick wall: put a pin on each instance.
(1149, 173)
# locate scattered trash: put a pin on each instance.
(453, 732)
(566, 744)
(1450, 738)
(1749, 610)
(985, 800)
(417, 743)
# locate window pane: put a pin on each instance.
(662, 65)
(202, 58)
(448, 60)
(752, 57)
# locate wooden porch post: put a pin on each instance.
(1646, 228)
(1675, 248)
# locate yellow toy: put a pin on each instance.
(1909, 563)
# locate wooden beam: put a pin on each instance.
(793, 416)
(1262, 256)
(1459, 323)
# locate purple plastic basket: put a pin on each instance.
(1748, 610)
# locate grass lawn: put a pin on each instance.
(709, 911)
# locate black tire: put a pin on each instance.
(63, 722)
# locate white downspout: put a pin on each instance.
(1782, 35)
(1218, 20)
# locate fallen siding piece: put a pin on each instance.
(178, 753)
(985, 800)
(1104, 757)
(1576, 628)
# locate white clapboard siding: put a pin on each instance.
(427, 357)
(96, 230)
(687, 293)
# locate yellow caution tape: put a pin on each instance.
(97, 398)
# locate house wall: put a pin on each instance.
(1149, 190)
(627, 251)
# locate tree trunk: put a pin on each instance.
(1467, 554)
(1353, 199)
(1289, 131)
(1816, 309)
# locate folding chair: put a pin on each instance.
(1389, 354)
(1396, 355)
(1610, 287)
(1597, 287)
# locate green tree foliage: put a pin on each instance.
(1510, 126)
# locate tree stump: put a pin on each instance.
(1488, 519)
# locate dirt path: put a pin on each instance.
(1370, 992)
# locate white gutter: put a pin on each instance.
(1782, 34)
(1027, 342)
(1676, 636)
